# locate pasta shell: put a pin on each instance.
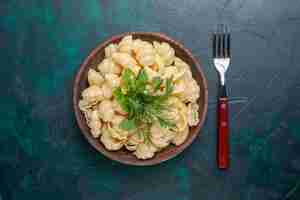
(145, 151)
(151, 73)
(175, 102)
(160, 137)
(92, 94)
(159, 63)
(126, 44)
(95, 124)
(157, 131)
(117, 119)
(179, 88)
(110, 49)
(177, 113)
(106, 110)
(84, 105)
(166, 52)
(87, 114)
(180, 63)
(192, 114)
(130, 147)
(109, 142)
(126, 61)
(145, 53)
(138, 44)
(181, 136)
(193, 93)
(173, 113)
(113, 80)
(117, 107)
(95, 78)
(171, 71)
(182, 123)
(133, 141)
(117, 133)
(107, 66)
(107, 91)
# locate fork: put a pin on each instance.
(221, 59)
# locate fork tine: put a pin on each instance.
(222, 40)
(214, 44)
(219, 45)
(228, 45)
(223, 45)
(226, 41)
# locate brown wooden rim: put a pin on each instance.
(176, 150)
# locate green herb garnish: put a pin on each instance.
(127, 124)
(142, 107)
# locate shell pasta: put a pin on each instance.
(140, 97)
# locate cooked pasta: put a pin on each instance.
(109, 66)
(117, 119)
(94, 123)
(151, 73)
(126, 61)
(126, 44)
(92, 94)
(110, 49)
(181, 136)
(84, 105)
(117, 108)
(166, 52)
(192, 114)
(95, 78)
(106, 111)
(145, 53)
(110, 102)
(117, 133)
(145, 151)
(109, 142)
(107, 91)
(133, 141)
(113, 80)
(161, 137)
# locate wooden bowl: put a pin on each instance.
(124, 156)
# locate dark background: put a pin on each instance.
(43, 154)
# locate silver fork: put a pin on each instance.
(221, 59)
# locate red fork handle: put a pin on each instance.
(223, 134)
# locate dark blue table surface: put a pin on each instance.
(43, 154)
